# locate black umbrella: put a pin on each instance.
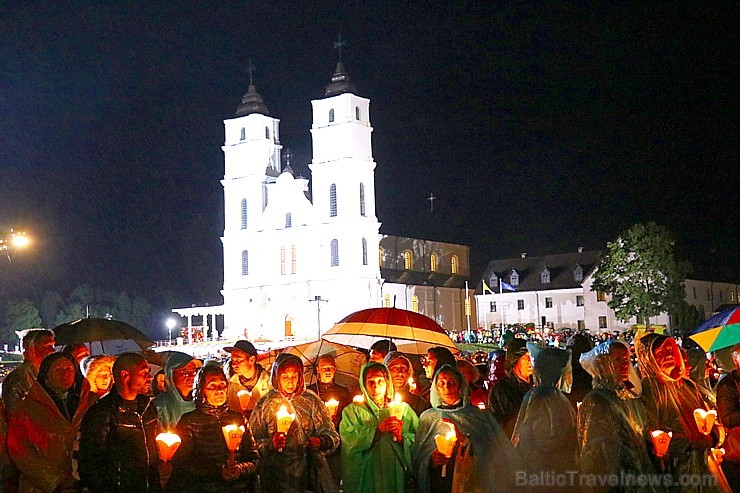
(89, 330)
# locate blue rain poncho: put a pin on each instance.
(170, 404)
(495, 459)
(372, 461)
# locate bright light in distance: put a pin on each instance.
(20, 240)
(170, 323)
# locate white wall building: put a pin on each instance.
(283, 250)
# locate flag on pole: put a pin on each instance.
(507, 286)
(486, 288)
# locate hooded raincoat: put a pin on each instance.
(170, 404)
(612, 426)
(197, 465)
(670, 401)
(297, 468)
(546, 428)
(505, 398)
(488, 457)
(372, 461)
(41, 439)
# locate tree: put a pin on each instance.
(19, 315)
(639, 273)
(686, 317)
(49, 307)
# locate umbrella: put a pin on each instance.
(412, 332)
(102, 330)
(720, 331)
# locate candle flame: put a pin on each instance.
(167, 445)
(359, 399)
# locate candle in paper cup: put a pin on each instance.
(482, 405)
(331, 406)
(412, 384)
(358, 399)
(284, 420)
(446, 445)
(661, 441)
(396, 408)
(233, 435)
(718, 454)
(167, 444)
(244, 397)
(705, 420)
(578, 405)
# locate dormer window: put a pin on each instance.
(267, 133)
(493, 280)
(545, 276)
(578, 273)
(331, 115)
(288, 220)
(514, 278)
(357, 113)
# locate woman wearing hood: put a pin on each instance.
(43, 429)
(670, 400)
(293, 462)
(545, 431)
(376, 447)
(505, 398)
(202, 463)
(177, 398)
(480, 447)
(612, 426)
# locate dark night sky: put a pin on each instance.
(540, 128)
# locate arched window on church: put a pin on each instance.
(362, 199)
(415, 304)
(357, 113)
(292, 259)
(453, 264)
(407, 260)
(267, 132)
(244, 134)
(331, 115)
(282, 261)
(288, 220)
(433, 262)
(333, 200)
(244, 213)
(245, 263)
(364, 251)
(334, 253)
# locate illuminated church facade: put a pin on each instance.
(299, 255)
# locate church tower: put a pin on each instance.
(252, 160)
(343, 182)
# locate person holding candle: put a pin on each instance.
(505, 398)
(245, 374)
(400, 368)
(435, 358)
(294, 461)
(612, 421)
(177, 398)
(480, 444)
(478, 395)
(202, 463)
(728, 411)
(376, 446)
(118, 450)
(671, 400)
(43, 430)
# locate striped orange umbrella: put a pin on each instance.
(413, 333)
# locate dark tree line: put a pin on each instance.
(52, 309)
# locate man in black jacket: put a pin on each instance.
(118, 449)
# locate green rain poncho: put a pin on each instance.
(372, 461)
(670, 400)
(170, 404)
(493, 452)
(612, 427)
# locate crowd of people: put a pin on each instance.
(531, 417)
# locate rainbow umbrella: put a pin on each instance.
(412, 332)
(720, 331)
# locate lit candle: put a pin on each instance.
(358, 399)
(578, 405)
(284, 420)
(705, 420)
(446, 445)
(396, 408)
(412, 384)
(233, 435)
(482, 405)
(661, 441)
(244, 397)
(167, 444)
(332, 405)
(718, 454)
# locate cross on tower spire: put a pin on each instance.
(250, 70)
(288, 156)
(339, 44)
(431, 200)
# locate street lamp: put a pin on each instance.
(13, 239)
(170, 323)
(318, 300)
